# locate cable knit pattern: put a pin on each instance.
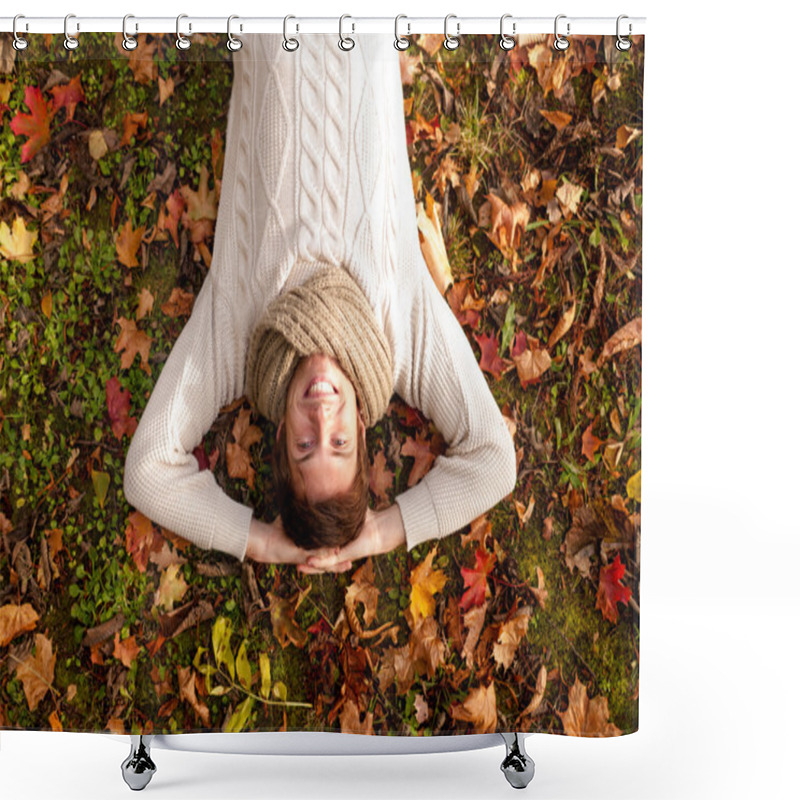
(316, 174)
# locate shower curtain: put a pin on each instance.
(524, 188)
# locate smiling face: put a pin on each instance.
(322, 426)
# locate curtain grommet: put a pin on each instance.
(401, 42)
(346, 43)
(560, 42)
(233, 44)
(623, 44)
(181, 42)
(507, 42)
(19, 43)
(290, 44)
(451, 42)
(128, 42)
(70, 42)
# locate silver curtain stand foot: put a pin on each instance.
(517, 766)
(138, 768)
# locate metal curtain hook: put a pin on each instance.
(70, 42)
(19, 43)
(128, 42)
(623, 44)
(345, 42)
(451, 42)
(290, 44)
(507, 42)
(234, 44)
(560, 43)
(400, 42)
(182, 43)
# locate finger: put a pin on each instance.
(306, 570)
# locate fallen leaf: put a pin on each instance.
(140, 60)
(201, 208)
(47, 304)
(590, 443)
(507, 225)
(524, 512)
(362, 590)
(539, 592)
(538, 694)
(350, 719)
(165, 89)
(432, 244)
(35, 125)
(139, 539)
(419, 450)
(132, 341)
(128, 241)
(408, 67)
(36, 672)
(98, 146)
(175, 206)
(180, 303)
(132, 123)
(585, 717)
(101, 482)
(490, 361)
(118, 402)
(430, 42)
(610, 591)
(237, 453)
(380, 478)
(473, 622)
(475, 580)
(562, 326)
(425, 583)
(126, 650)
(558, 118)
(284, 626)
(171, 588)
(15, 620)
(634, 487)
(16, 242)
(625, 135)
(426, 647)
(627, 336)
(530, 359)
(510, 636)
(68, 96)
(569, 195)
(188, 692)
(479, 709)
(421, 708)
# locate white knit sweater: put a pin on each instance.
(316, 172)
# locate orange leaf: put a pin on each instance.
(131, 123)
(128, 241)
(558, 118)
(15, 620)
(585, 717)
(237, 453)
(284, 626)
(179, 304)
(511, 634)
(479, 709)
(145, 303)
(165, 89)
(36, 672)
(380, 478)
(201, 208)
(422, 455)
(126, 650)
(590, 443)
(175, 206)
(140, 60)
(68, 96)
(626, 337)
(132, 341)
(139, 537)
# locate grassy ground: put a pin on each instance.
(557, 250)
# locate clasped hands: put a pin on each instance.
(381, 532)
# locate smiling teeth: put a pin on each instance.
(321, 387)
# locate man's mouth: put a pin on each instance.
(320, 387)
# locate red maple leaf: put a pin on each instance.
(475, 579)
(140, 539)
(491, 362)
(68, 95)
(610, 591)
(35, 125)
(520, 344)
(118, 401)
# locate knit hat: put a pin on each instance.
(328, 314)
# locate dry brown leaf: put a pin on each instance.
(132, 341)
(237, 453)
(426, 647)
(511, 634)
(36, 672)
(350, 719)
(479, 709)
(558, 118)
(284, 627)
(538, 694)
(625, 135)
(431, 242)
(126, 650)
(473, 622)
(362, 590)
(569, 195)
(585, 717)
(128, 241)
(165, 89)
(15, 620)
(507, 225)
(145, 303)
(180, 303)
(626, 337)
(188, 693)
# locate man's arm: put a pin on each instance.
(204, 372)
(442, 379)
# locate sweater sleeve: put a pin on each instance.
(442, 379)
(162, 478)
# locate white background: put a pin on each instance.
(720, 607)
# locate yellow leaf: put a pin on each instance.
(47, 304)
(432, 244)
(558, 118)
(266, 674)
(425, 582)
(15, 620)
(172, 587)
(634, 487)
(17, 242)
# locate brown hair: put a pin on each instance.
(329, 523)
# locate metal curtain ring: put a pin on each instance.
(345, 42)
(182, 43)
(507, 42)
(451, 42)
(400, 42)
(234, 44)
(623, 44)
(560, 43)
(290, 44)
(19, 43)
(70, 42)
(128, 42)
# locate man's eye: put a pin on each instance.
(304, 445)
(340, 442)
